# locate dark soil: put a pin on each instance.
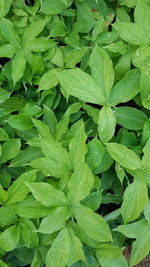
(144, 263)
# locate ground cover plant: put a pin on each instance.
(75, 132)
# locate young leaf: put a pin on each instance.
(3, 135)
(102, 70)
(142, 17)
(125, 89)
(7, 50)
(95, 153)
(18, 66)
(48, 195)
(106, 124)
(81, 85)
(20, 122)
(92, 224)
(134, 199)
(54, 221)
(10, 238)
(80, 183)
(124, 156)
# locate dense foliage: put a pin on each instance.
(75, 132)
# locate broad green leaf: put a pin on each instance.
(93, 200)
(18, 66)
(146, 156)
(13, 146)
(117, 262)
(77, 146)
(18, 190)
(124, 156)
(54, 221)
(133, 230)
(142, 17)
(141, 58)
(145, 88)
(50, 7)
(30, 208)
(33, 30)
(42, 128)
(134, 199)
(147, 211)
(92, 224)
(48, 195)
(102, 70)
(95, 153)
(130, 118)
(125, 89)
(10, 238)
(106, 124)
(25, 156)
(40, 44)
(76, 251)
(7, 216)
(49, 118)
(53, 150)
(80, 183)
(107, 251)
(20, 122)
(48, 80)
(4, 8)
(9, 33)
(3, 135)
(81, 85)
(141, 248)
(4, 95)
(59, 252)
(7, 50)
(120, 172)
(132, 33)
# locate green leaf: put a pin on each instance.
(141, 248)
(2, 264)
(130, 118)
(146, 156)
(10, 238)
(134, 199)
(13, 146)
(25, 156)
(9, 33)
(147, 211)
(48, 80)
(33, 30)
(30, 208)
(59, 252)
(95, 153)
(39, 44)
(102, 70)
(81, 85)
(125, 89)
(3, 135)
(80, 183)
(92, 224)
(50, 7)
(106, 124)
(117, 262)
(54, 221)
(48, 195)
(20, 122)
(53, 151)
(4, 95)
(7, 50)
(7, 216)
(18, 190)
(77, 146)
(132, 33)
(4, 8)
(133, 230)
(124, 156)
(142, 17)
(18, 66)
